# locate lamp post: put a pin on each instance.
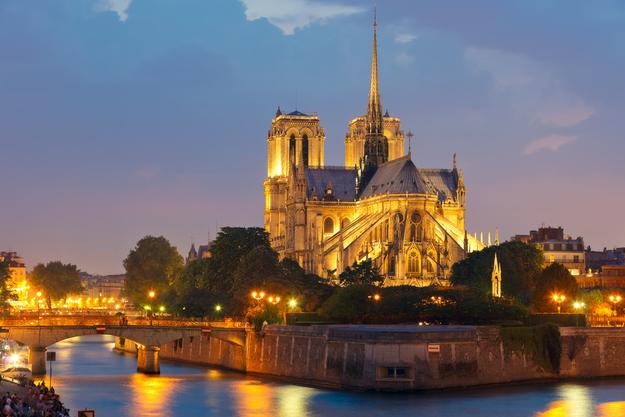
(151, 296)
(579, 307)
(614, 300)
(559, 299)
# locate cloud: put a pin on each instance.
(548, 143)
(116, 6)
(404, 58)
(405, 37)
(295, 14)
(529, 88)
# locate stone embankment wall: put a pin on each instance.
(400, 357)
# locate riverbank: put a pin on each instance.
(405, 358)
(30, 400)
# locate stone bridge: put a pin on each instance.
(149, 335)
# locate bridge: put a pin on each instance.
(38, 333)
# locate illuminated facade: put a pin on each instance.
(410, 221)
(17, 283)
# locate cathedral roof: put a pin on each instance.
(297, 113)
(398, 176)
(342, 180)
(443, 181)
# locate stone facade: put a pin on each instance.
(401, 358)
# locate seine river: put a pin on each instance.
(88, 374)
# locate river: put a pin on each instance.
(88, 374)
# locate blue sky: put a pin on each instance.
(122, 118)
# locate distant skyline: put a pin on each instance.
(123, 118)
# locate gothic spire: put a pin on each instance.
(374, 107)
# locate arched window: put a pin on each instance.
(292, 150)
(413, 262)
(305, 150)
(397, 226)
(328, 226)
(415, 227)
(344, 223)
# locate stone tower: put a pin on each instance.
(496, 278)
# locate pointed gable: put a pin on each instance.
(399, 176)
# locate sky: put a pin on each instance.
(123, 118)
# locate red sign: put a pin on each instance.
(206, 330)
(100, 329)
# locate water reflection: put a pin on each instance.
(151, 395)
(253, 399)
(577, 401)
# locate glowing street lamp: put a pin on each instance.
(292, 303)
(258, 295)
(151, 294)
(375, 297)
(218, 308)
(161, 309)
(273, 300)
(579, 307)
(614, 299)
(559, 299)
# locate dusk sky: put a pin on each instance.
(122, 118)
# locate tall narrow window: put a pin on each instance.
(292, 150)
(305, 150)
(413, 262)
(328, 226)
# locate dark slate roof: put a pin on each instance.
(443, 180)
(398, 176)
(297, 113)
(343, 182)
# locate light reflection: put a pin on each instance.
(293, 400)
(575, 401)
(612, 409)
(254, 398)
(151, 394)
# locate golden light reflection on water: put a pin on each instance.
(254, 398)
(577, 402)
(293, 401)
(151, 394)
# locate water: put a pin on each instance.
(88, 374)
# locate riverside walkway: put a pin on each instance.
(39, 332)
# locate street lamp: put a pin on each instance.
(292, 303)
(218, 308)
(614, 299)
(273, 300)
(258, 295)
(151, 294)
(578, 306)
(375, 297)
(559, 299)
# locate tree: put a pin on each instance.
(555, 279)
(197, 290)
(520, 263)
(5, 293)
(152, 265)
(56, 280)
(361, 273)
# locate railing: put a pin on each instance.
(606, 321)
(116, 321)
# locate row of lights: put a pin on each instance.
(580, 305)
(272, 299)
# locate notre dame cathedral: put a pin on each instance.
(409, 221)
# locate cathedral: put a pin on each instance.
(409, 221)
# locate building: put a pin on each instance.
(202, 252)
(609, 277)
(17, 270)
(410, 221)
(595, 260)
(107, 286)
(558, 248)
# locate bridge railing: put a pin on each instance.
(107, 320)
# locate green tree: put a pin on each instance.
(56, 280)
(198, 290)
(521, 264)
(555, 279)
(5, 293)
(361, 273)
(152, 265)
